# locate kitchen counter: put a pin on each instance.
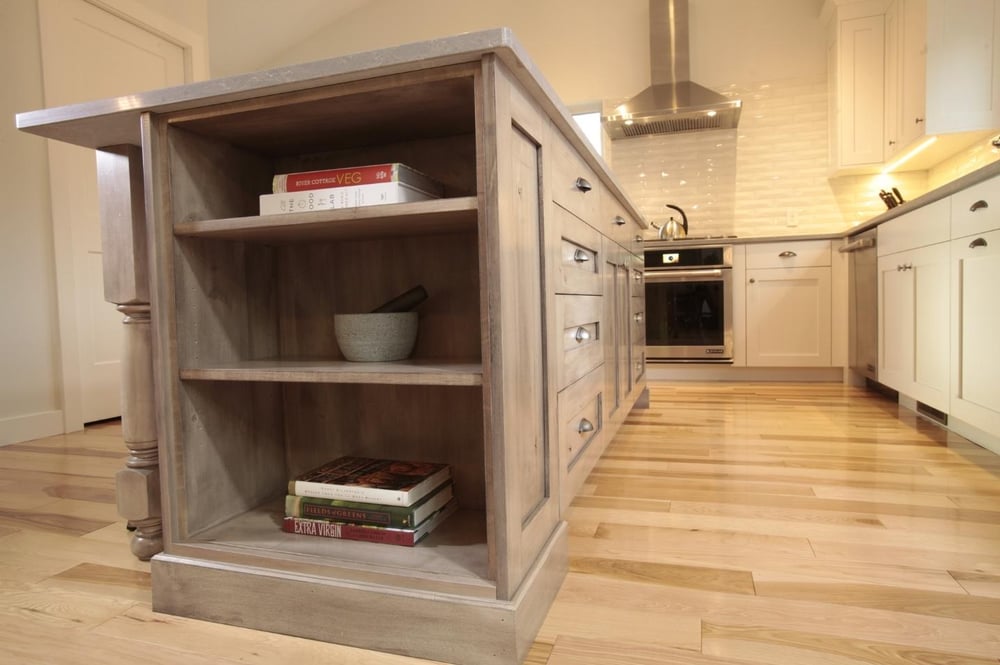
(116, 121)
(968, 180)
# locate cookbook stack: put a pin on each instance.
(375, 500)
(349, 187)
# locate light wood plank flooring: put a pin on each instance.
(728, 524)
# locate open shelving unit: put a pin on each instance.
(261, 391)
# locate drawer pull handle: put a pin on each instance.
(787, 254)
(978, 242)
(585, 426)
(583, 185)
(904, 267)
(582, 335)
(619, 220)
(580, 256)
(978, 204)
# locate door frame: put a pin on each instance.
(195, 53)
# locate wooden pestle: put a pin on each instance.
(404, 302)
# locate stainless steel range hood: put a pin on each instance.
(673, 103)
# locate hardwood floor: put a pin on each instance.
(727, 524)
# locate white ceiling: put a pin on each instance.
(247, 35)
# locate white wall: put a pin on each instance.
(29, 373)
(586, 49)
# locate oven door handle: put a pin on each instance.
(660, 276)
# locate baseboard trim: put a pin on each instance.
(30, 426)
(690, 372)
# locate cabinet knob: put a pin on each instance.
(917, 121)
(638, 317)
(580, 256)
(638, 238)
(787, 254)
(892, 143)
(585, 426)
(583, 185)
(619, 220)
(582, 335)
(978, 204)
(753, 281)
(637, 276)
(978, 242)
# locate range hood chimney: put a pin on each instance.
(673, 103)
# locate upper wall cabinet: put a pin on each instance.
(902, 71)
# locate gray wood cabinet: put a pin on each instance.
(251, 387)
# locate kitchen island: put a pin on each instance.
(529, 353)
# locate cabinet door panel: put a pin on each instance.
(975, 361)
(523, 478)
(789, 317)
(861, 67)
(895, 323)
(913, 329)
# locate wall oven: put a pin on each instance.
(689, 303)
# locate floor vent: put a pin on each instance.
(932, 413)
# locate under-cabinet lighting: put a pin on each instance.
(892, 166)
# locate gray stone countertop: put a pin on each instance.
(116, 121)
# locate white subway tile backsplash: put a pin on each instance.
(770, 176)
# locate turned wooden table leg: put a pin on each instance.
(126, 284)
(138, 484)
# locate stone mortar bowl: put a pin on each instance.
(376, 337)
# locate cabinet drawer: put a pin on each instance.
(580, 259)
(616, 223)
(574, 186)
(791, 254)
(976, 209)
(921, 227)
(578, 322)
(580, 417)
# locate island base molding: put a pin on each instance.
(435, 626)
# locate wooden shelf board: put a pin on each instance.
(450, 215)
(407, 372)
(453, 558)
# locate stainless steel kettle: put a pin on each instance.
(672, 229)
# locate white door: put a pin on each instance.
(89, 53)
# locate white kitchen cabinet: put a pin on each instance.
(975, 317)
(858, 86)
(789, 304)
(913, 296)
(905, 70)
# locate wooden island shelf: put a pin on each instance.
(530, 350)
